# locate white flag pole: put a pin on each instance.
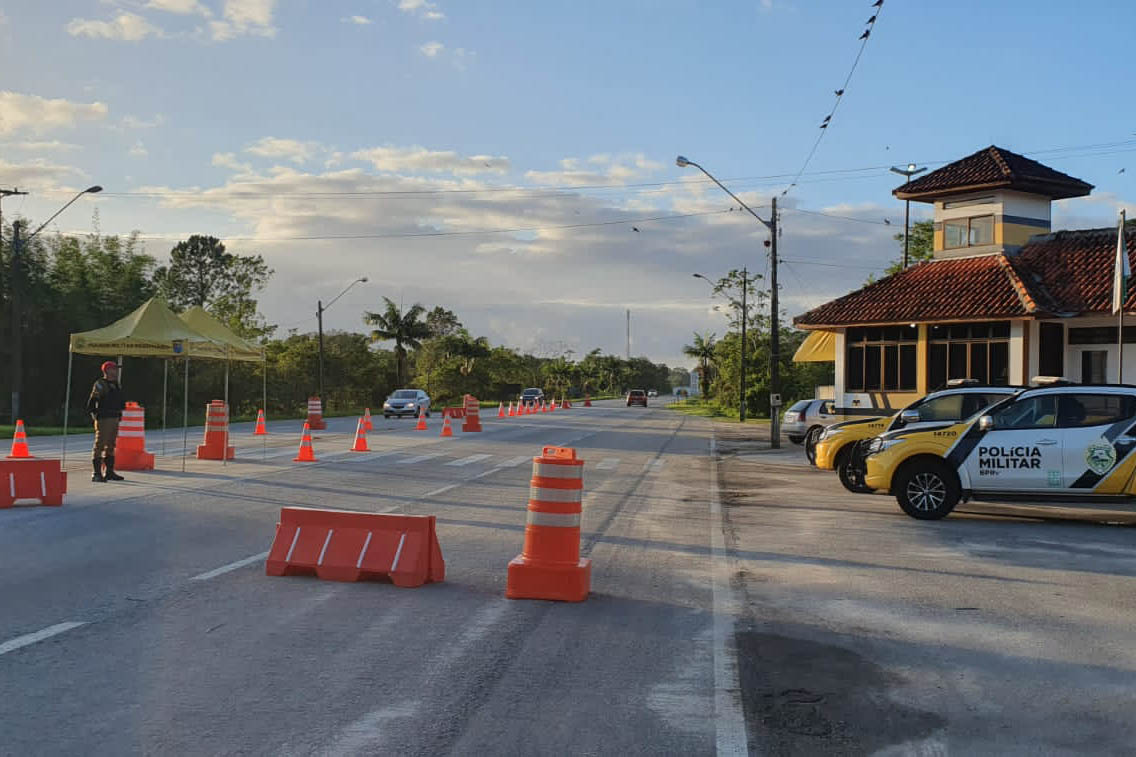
(1120, 294)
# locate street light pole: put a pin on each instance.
(774, 356)
(16, 297)
(908, 172)
(320, 307)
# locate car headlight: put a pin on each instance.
(386, 404)
(880, 444)
(825, 434)
(410, 404)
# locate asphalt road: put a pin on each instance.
(137, 618)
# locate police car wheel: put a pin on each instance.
(927, 490)
(811, 439)
(796, 439)
(851, 477)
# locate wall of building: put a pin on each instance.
(1017, 217)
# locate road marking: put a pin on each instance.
(443, 489)
(419, 458)
(31, 638)
(229, 568)
(489, 472)
(468, 460)
(608, 463)
(515, 461)
(729, 721)
(653, 466)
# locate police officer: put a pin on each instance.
(105, 406)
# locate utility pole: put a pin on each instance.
(17, 331)
(629, 335)
(745, 317)
(907, 173)
(319, 320)
(774, 339)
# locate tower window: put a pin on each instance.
(968, 232)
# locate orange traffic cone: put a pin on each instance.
(510, 414)
(544, 407)
(361, 437)
(446, 430)
(307, 455)
(260, 429)
(20, 443)
(587, 400)
(421, 420)
(500, 409)
(552, 405)
(367, 419)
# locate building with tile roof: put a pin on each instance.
(1003, 299)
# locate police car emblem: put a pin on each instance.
(1100, 456)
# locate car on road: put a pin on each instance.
(805, 419)
(652, 393)
(1068, 445)
(840, 446)
(406, 402)
(637, 397)
(532, 396)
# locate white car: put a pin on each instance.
(406, 402)
(652, 393)
(806, 417)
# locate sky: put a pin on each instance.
(515, 161)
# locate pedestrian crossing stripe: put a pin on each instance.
(608, 463)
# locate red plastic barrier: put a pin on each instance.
(472, 414)
(35, 478)
(454, 412)
(341, 545)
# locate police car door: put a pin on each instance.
(1022, 452)
(1096, 436)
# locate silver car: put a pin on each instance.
(807, 417)
(406, 402)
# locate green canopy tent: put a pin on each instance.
(153, 330)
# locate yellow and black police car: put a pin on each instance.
(1068, 444)
(839, 448)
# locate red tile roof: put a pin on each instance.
(1066, 273)
(993, 168)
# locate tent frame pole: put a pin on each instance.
(165, 394)
(185, 417)
(228, 415)
(66, 407)
(264, 405)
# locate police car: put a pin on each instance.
(1065, 445)
(839, 447)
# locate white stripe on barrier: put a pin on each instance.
(551, 470)
(363, 551)
(296, 538)
(12, 484)
(42, 484)
(398, 552)
(556, 520)
(326, 541)
(542, 494)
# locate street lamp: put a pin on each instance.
(745, 318)
(16, 299)
(774, 327)
(320, 307)
(908, 172)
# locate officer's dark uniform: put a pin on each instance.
(105, 406)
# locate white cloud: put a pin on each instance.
(19, 112)
(244, 18)
(421, 160)
(180, 7)
(421, 8)
(53, 145)
(288, 149)
(229, 160)
(357, 20)
(133, 122)
(138, 150)
(608, 170)
(129, 27)
(431, 49)
(38, 174)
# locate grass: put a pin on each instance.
(704, 409)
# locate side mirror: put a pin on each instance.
(909, 416)
(985, 423)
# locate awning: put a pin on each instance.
(153, 330)
(235, 348)
(818, 347)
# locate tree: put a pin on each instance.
(442, 322)
(921, 247)
(703, 350)
(405, 329)
(202, 273)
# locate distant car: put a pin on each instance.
(652, 393)
(406, 402)
(808, 416)
(637, 397)
(532, 396)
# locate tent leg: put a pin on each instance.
(165, 392)
(228, 419)
(185, 417)
(264, 406)
(66, 408)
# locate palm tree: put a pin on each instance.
(405, 329)
(703, 351)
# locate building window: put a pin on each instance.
(1051, 349)
(880, 358)
(979, 351)
(968, 232)
(1100, 335)
(1094, 366)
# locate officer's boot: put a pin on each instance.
(110, 474)
(98, 463)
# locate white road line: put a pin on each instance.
(653, 466)
(468, 460)
(608, 463)
(729, 721)
(443, 489)
(31, 638)
(228, 568)
(489, 472)
(419, 458)
(515, 461)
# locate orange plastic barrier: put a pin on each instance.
(306, 454)
(340, 545)
(565, 404)
(20, 444)
(216, 445)
(472, 420)
(44, 480)
(261, 429)
(315, 414)
(549, 566)
(130, 447)
(453, 412)
(587, 400)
